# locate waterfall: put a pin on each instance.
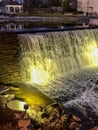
(63, 66)
(46, 56)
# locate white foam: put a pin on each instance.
(88, 98)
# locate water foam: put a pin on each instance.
(89, 98)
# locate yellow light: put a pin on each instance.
(16, 105)
(92, 54)
(39, 75)
(43, 72)
(22, 105)
(95, 53)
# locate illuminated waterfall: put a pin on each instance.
(46, 56)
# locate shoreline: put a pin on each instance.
(36, 18)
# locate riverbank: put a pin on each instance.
(24, 107)
(52, 117)
(63, 18)
(66, 18)
(37, 18)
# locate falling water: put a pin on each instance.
(57, 53)
(61, 64)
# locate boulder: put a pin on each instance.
(73, 125)
(95, 128)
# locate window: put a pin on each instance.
(17, 9)
(11, 9)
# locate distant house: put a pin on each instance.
(10, 7)
(89, 7)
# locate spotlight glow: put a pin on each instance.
(92, 54)
(39, 75)
(43, 73)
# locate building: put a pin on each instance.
(88, 7)
(10, 7)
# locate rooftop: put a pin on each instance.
(11, 2)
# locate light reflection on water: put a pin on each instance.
(34, 25)
(11, 26)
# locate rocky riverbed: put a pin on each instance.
(49, 117)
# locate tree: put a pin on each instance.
(27, 5)
(66, 6)
(36, 3)
(54, 3)
(69, 6)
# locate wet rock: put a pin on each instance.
(76, 118)
(73, 125)
(23, 124)
(95, 128)
(4, 99)
(8, 97)
(15, 88)
(5, 90)
(64, 118)
(77, 128)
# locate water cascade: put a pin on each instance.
(63, 65)
(46, 56)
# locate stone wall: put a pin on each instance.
(9, 58)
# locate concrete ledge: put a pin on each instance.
(38, 30)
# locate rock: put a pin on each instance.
(9, 97)
(14, 88)
(5, 90)
(77, 128)
(23, 124)
(45, 121)
(76, 118)
(95, 128)
(80, 125)
(64, 118)
(73, 125)
(17, 116)
(39, 129)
